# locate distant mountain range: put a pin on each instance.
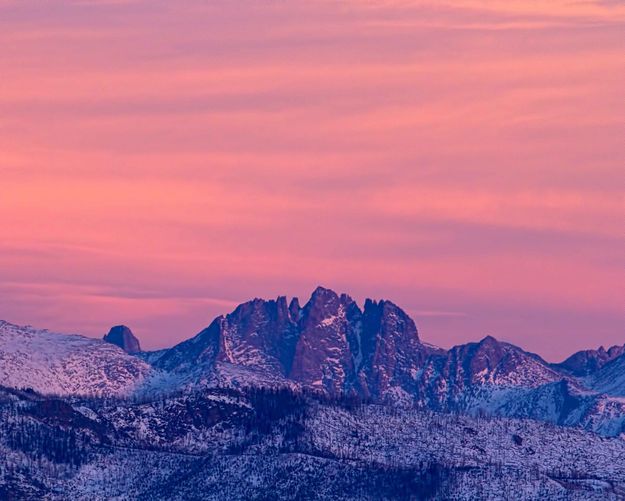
(331, 345)
(329, 350)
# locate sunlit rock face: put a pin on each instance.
(330, 344)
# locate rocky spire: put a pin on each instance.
(122, 336)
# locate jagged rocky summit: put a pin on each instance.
(332, 345)
(333, 397)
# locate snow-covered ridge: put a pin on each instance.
(53, 363)
(259, 444)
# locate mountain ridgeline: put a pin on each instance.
(325, 400)
(333, 346)
(329, 344)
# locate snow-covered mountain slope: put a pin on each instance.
(481, 376)
(565, 403)
(333, 346)
(276, 391)
(609, 379)
(196, 354)
(262, 444)
(67, 364)
(586, 362)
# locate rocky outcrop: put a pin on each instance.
(260, 334)
(323, 357)
(122, 336)
(391, 354)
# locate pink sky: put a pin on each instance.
(161, 162)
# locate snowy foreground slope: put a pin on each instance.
(269, 444)
(67, 364)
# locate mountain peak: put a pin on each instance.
(587, 362)
(325, 303)
(489, 340)
(294, 308)
(322, 292)
(122, 336)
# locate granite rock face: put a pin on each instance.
(260, 334)
(322, 356)
(329, 343)
(391, 354)
(122, 336)
(333, 346)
